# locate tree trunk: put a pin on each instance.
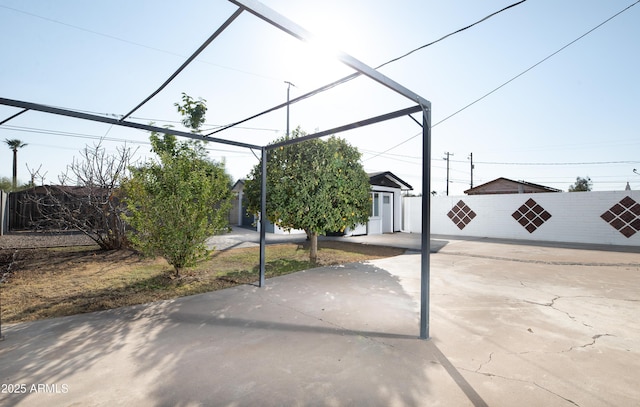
(313, 250)
(15, 168)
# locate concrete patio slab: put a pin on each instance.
(510, 325)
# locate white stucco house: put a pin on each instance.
(386, 204)
(386, 207)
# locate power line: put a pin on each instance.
(538, 63)
(515, 77)
(573, 178)
(386, 63)
(97, 137)
(450, 34)
(393, 157)
(155, 120)
(312, 93)
(351, 76)
(216, 126)
(192, 57)
(137, 44)
(67, 134)
(553, 164)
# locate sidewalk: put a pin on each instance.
(510, 325)
(243, 237)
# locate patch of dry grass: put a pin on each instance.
(46, 283)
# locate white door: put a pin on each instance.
(387, 213)
(374, 226)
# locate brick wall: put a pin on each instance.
(578, 217)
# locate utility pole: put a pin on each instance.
(448, 154)
(471, 158)
(288, 88)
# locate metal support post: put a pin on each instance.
(426, 224)
(263, 215)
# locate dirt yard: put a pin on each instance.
(46, 276)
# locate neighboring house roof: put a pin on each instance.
(387, 179)
(238, 186)
(507, 186)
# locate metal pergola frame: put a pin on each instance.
(279, 21)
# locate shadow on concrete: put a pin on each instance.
(437, 245)
(337, 336)
(329, 336)
(52, 351)
(283, 326)
(457, 377)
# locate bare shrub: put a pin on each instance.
(88, 197)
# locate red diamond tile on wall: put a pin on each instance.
(624, 217)
(461, 215)
(531, 215)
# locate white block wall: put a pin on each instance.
(575, 217)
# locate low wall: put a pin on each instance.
(576, 217)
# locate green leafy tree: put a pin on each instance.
(318, 186)
(581, 185)
(192, 111)
(6, 184)
(177, 201)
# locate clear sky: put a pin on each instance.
(575, 114)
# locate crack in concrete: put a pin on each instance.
(586, 345)
(592, 343)
(552, 305)
(556, 394)
(490, 359)
(488, 374)
(597, 297)
(546, 304)
(484, 363)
